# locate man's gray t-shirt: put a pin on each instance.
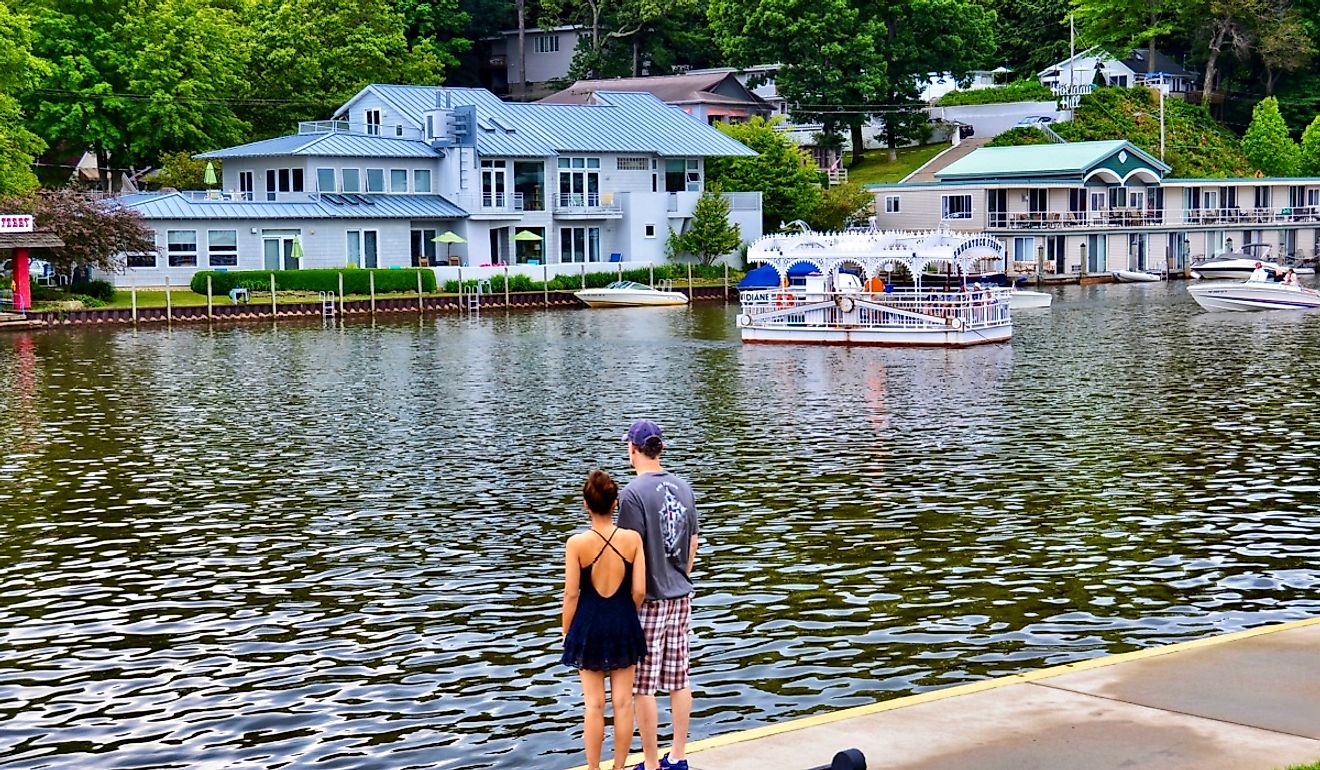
(661, 507)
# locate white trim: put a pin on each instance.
(1112, 176)
(1154, 178)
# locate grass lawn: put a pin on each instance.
(876, 168)
(1312, 766)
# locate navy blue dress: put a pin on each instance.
(605, 634)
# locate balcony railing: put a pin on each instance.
(366, 129)
(586, 202)
(1123, 218)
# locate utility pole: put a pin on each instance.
(1072, 52)
(1161, 119)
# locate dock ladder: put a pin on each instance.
(327, 304)
(470, 301)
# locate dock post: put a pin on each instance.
(371, 282)
(210, 311)
(545, 285)
(620, 271)
(506, 287)
(651, 268)
(420, 309)
(133, 296)
(726, 281)
(1040, 266)
(341, 295)
(689, 280)
(273, 311)
(1083, 264)
(169, 303)
(584, 275)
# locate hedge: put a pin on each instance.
(356, 281)
(1017, 91)
(573, 281)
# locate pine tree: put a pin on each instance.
(1267, 143)
(1310, 165)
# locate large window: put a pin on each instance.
(494, 183)
(422, 180)
(222, 248)
(245, 185)
(682, 175)
(375, 180)
(373, 122)
(361, 248)
(325, 180)
(1024, 249)
(182, 247)
(956, 206)
(1097, 253)
(1038, 200)
(423, 248)
(579, 244)
(631, 164)
(352, 180)
(546, 44)
(398, 180)
(579, 181)
(529, 182)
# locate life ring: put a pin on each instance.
(845, 304)
(744, 320)
(784, 300)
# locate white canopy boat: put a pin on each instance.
(629, 294)
(834, 307)
(1021, 299)
(1135, 276)
(1254, 295)
(1236, 264)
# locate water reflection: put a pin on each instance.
(258, 547)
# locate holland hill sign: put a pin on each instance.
(16, 223)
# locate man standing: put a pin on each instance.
(660, 506)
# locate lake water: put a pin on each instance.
(301, 546)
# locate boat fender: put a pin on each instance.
(845, 304)
(955, 322)
(744, 320)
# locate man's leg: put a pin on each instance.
(648, 725)
(680, 706)
(652, 617)
(676, 680)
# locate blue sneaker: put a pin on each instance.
(678, 764)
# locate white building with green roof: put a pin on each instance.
(1095, 207)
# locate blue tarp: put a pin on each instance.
(765, 277)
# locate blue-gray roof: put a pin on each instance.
(328, 144)
(616, 122)
(180, 206)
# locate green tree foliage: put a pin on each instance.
(787, 179)
(18, 70)
(829, 55)
(96, 234)
(1119, 26)
(1284, 46)
(841, 205)
(710, 234)
(613, 28)
(1196, 146)
(1019, 135)
(1032, 34)
(1017, 91)
(182, 171)
(1310, 150)
(1267, 143)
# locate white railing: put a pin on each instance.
(1135, 218)
(901, 308)
(743, 201)
(365, 129)
(602, 202)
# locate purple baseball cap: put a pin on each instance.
(642, 430)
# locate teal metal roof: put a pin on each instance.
(332, 144)
(1041, 160)
(180, 206)
(615, 122)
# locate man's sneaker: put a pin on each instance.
(678, 764)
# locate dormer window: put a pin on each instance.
(373, 122)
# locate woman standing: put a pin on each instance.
(604, 584)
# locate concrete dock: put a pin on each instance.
(1248, 700)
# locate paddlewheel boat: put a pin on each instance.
(848, 300)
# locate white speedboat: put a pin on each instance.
(1254, 295)
(629, 294)
(1021, 299)
(1135, 276)
(1236, 264)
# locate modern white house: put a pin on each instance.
(1093, 207)
(397, 166)
(1080, 71)
(714, 96)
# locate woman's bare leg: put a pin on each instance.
(593, 725)
(621, 682)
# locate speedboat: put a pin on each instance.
(1021, 299)
(1254, 295)
(629, 294)
(1134, 276)
(1236, 264)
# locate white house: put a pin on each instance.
(549, 54)
(1080, 71)
(398, 165)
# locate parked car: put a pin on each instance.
(1032, 121)
(965, 130)
(37, 269)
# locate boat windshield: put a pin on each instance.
(629, 285)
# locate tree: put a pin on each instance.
(1310, 151)
(1032, 34)
(607, 21)
(1267, 143)
(787, 179)
(1283, 44)
(840, 205)
(96, 232)
(1227, 28)
(830, 70)
(1119, 26)
(710, 234)
(182, 171)
(19, 147)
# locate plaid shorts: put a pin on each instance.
(665, 667)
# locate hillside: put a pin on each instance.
(1195, 146)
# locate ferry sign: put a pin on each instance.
(16, 223)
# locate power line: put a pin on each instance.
(101, 96)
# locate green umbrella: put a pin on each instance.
(296, 252)
(209, 176)
(448, 238)
(527, 235)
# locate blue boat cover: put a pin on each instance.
(763, 277)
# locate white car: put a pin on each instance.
(37, 268)
(1032, 121)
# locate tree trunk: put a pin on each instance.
(521, 92)
(1216, 44)
(637, 58)
(103, 168)
(858, 144)
(1270, 75)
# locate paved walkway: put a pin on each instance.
(1243, 701)
(927, 172)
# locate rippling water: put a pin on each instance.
(256, 547)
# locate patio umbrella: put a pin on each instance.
(296, 251)
(448, 238)
(209, 176)
(527, 236)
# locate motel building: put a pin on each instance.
(533, 187)
(1084, 208)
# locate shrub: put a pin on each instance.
(1017, 91)
(355, 281)
(102, 290)
(573, 281)
(1020, 135)
(88, 301)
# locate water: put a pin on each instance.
(247, 547)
